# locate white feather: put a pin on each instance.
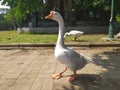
(69, 57)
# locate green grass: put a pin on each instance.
(11, 37)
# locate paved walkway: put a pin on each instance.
(32, 70)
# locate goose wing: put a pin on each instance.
(72, 59)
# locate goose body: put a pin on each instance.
(118, 35)
(72, 60)
(74, 33)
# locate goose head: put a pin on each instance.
(54, 16)
(57, 17)
(66, 34)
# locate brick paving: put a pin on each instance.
(32, 70)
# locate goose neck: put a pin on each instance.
(60, 40)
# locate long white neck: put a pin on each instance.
(60, 41)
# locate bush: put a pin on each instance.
(118, 18)
(5, 25)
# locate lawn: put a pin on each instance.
(12, 37)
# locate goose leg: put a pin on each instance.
(72, 77)
(58, 75)
(75, 38)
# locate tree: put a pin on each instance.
(63, 6)
(22, 9)
(19, 10)
(14, 13)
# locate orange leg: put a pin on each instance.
(72, 77)
(58, 75)
(75, 38)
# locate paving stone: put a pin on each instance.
(33, 70)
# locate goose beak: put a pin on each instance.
(50, 16)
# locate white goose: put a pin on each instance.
(69, 57)
(74, 33)
(118, 35)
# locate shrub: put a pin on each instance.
(118, 18)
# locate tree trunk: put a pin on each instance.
(36, 19)
(14, 24)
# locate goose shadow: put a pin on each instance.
(86, 82)
(79, 40)
(107, 79)
(86, 78)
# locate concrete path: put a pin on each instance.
(32, 70)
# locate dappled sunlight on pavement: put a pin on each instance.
(32, 70)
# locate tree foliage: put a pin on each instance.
(19, 8)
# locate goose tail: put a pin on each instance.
(89, 61)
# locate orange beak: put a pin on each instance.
(50, 16)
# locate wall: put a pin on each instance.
(54, 30)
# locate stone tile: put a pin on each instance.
(33, 70)
(47, 84)
(37, 84)
(7, 84)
